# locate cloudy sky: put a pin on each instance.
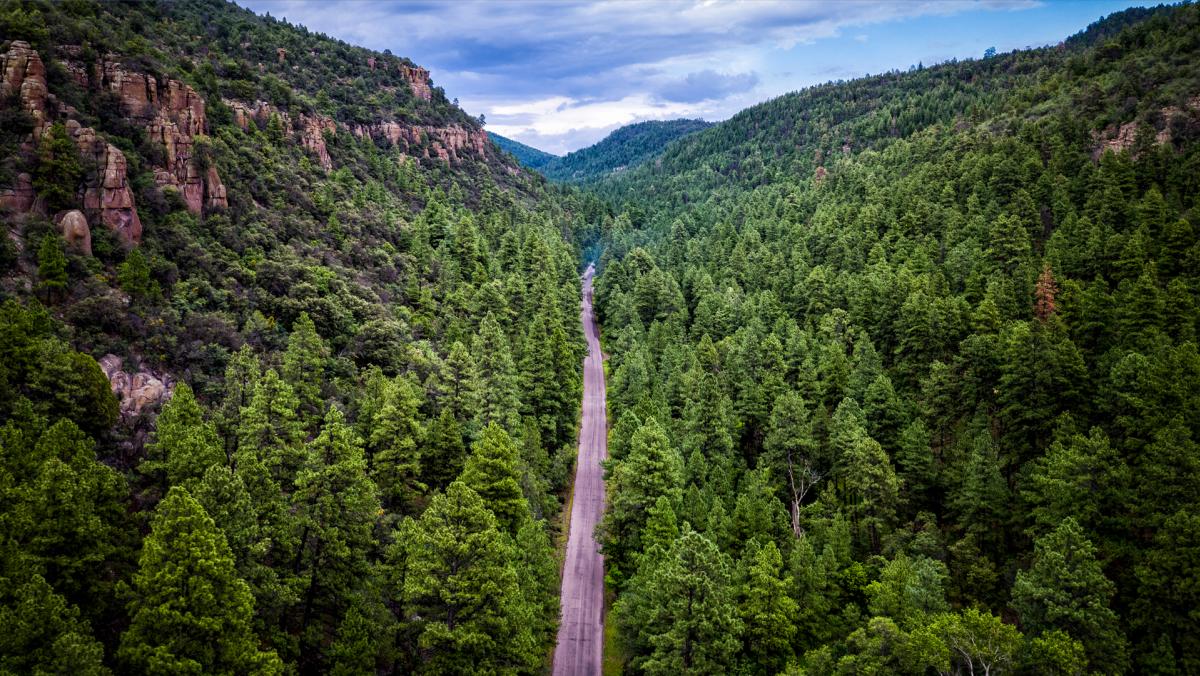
(562, 75)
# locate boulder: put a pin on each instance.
(75, 231)
(137, 391)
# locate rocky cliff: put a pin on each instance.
(171, 113)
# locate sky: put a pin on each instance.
(562, 75)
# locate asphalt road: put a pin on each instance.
(581, 627)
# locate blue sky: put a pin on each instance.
(562, 75)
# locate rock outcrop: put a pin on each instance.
(107, 194)
(451, 143)
(19, 197)
(1118, 138)
(418, 80)
(138, 391)
(25, 76)
(312, 137)
(172, 114)
(75, 231)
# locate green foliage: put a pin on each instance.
(190, 611)
(59, 169)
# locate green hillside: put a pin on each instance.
(528, 156)
(341, 328)
(905, 372)
(621, 150)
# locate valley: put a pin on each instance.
(301, 367)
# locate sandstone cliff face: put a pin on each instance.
(107, 195)
(452, 143)
(25, 76)
(173, 115)
(19, 197)
(1118, 138)
(418, 80)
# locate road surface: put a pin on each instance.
(581, 628)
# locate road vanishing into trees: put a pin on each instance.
(581, 627)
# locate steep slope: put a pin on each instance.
(906, 366)
(623, 149)
(528, 156)
(284, 338)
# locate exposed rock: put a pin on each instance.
(107, 193)
(75, 231)
(173, 115)
(820, 174)
(20, 196)
(25, 76)
(281, 53)
(371, 62)
(1119, 138)
(450, 143)
(136, 392)
(418, 80)
(312, 137)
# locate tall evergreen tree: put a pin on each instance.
(190, 611)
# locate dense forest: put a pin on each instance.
(528, 156)
(904, 372)
(623, 149)
(289, 356)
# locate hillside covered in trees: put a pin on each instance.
(289, 356)
(905, 375)
(623, 149)
(528, 156)
(903, 371)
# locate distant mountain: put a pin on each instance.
(527, 155)
(626, 147)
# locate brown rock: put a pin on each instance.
(312, 137)
(24, 75)
(75, 231)
(371, 62)
(18, 198)
(418, 80)
(108, 195)
(136, 392)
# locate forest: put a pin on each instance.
(903, 373)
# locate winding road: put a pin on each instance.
(581, 628)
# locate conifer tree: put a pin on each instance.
(272, 430)
(767, 611)
(492, 471)
(650, 470)
(394, 445)
(463, 591)
(304, 368)
(190, 611)
(185, 444)
(1066, 589)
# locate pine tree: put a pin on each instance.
(43, 634)
(443, 452)
(241, 377)
(394, 446)
(463, 591)
(52, 267)
(59, 170)
(767, 611)
(789, 450)
(693, 625)
(1066, 589)
(652, 469)
(190, 611)
(496, 385)
(304, 368)
(492, 471)
(185, 444)
(336, 509)
(272, 430)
